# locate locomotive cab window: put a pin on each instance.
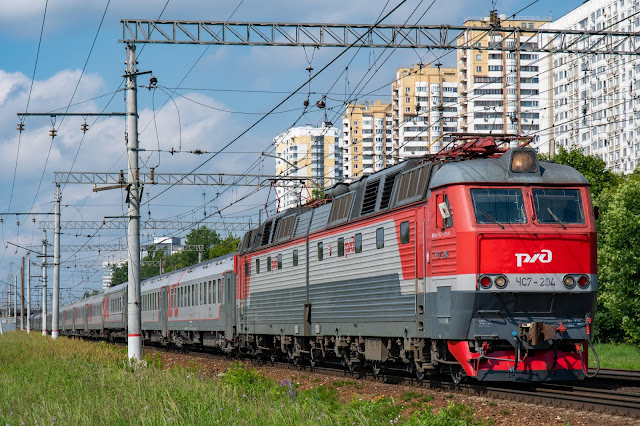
(405, 232)
(498, 205)
(560, 206)
(380, 238)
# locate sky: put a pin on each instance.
(70, 59)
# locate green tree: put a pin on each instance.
(228, 245)
(87, 294)
(119, 273)
(618, 261)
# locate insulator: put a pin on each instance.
(306, 102)
(137, 175)
(33, 219)
(53, 133)
(320, 104)
(20, 127)
(152, 174)
(84, 127)
(121, 177)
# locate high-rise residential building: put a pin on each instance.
(500, 91)
(312, 154)
(593, 100)
(425, 107)
(366, 139)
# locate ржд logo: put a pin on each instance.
(544, 256)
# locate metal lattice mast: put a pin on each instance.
(56, 267)
(134, 336)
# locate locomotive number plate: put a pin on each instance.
(535, 282)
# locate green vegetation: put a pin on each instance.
(616, 356)
(75, 382)
(618, 307)
(214, 246)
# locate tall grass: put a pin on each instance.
(616, 356)
(75, 382)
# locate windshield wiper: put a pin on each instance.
(556, 218)
(490, 218)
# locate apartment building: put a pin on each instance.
(499, 92)
(593, 101)
(425, 107)
(313, 155)
(366, 139)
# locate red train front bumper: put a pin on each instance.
(536, 366)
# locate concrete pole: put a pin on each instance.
(134, 336)
(22, 271)
(44, 282)
(28, 293)
(15, 301)
(56, 266)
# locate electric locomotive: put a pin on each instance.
(479, 261)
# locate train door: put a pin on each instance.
(164, 309)
(85, 317)
(228, 304)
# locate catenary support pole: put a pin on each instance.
(56, 267)
(28, 293)
(134, 337)
(44, 282)
(15, 301)
(22, 272)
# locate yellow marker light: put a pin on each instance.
(524, 162)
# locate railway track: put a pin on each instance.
(587, 395)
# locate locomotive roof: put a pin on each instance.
(403, 184)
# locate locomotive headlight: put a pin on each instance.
(583, 281)
(569, 282)
(524, 161)
(501, 281)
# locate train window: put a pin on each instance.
(219, 291)
(340, 247)
(295, 258)
(447, 216)
(268, 263)
(558, 206)
(358, 243)
(320, 251)
(380, 238)
(257, 266)
(498, 205)
(246, 268)
(405, 232)
(280, 261)
(192, 295)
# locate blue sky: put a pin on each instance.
(208, 112)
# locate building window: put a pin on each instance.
(295, 258)
(340, 247)
(379, 238)
(479, 68)
(358, 243)
(269, 264)
(320, 251)
(408, 99)
(408, 109)
(405, 233)
(408, 89)
(280, 261)
(478, 57)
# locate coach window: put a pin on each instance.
(358, 243)
(257, 266)
(269, 264)
(380, 238)
(219, 291)
(340, 247)
(246, 268)
(320, 251)
(405, 233)
(295, 258)
(280, 261)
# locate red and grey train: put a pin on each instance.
(478, 262)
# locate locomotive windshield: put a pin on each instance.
(498, 205)
(558, 205)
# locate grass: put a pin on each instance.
(75, 382)
(616, 356)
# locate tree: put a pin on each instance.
(119, 273)
(228, 245)
(618, 260)
(87, 294)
